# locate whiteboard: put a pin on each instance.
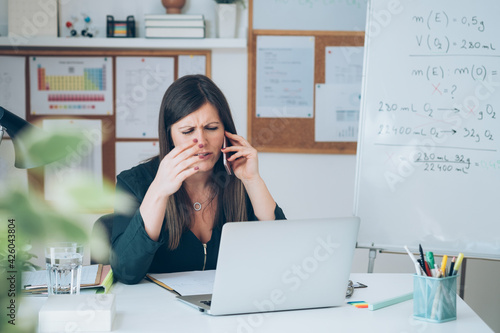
(428, 163)
(334, 15)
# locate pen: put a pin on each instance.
(458, 263)
(438, 271)
(427, 269)
(422, 258)
(412, 257)
(443, 265)
(451, 266)
(430, 259)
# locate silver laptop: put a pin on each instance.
(281, 265)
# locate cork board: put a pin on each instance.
(108, 122)
(294, 135)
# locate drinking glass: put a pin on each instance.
(64, 267)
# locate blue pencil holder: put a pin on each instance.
(435, 299)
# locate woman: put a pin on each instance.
(185, 195)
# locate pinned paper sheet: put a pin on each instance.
(86, 159)
(129, 154)
(191, 64)
(285, 76)
(141, 83)
(344, 65)
(337, 112)
(13, 85)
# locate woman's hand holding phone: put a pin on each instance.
(243, 161)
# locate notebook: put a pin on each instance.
(281, 265)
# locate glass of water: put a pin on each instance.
(64, 267)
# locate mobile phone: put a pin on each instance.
(224, 158)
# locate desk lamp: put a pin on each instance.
(26, 157)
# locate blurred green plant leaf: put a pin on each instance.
(35, 219)
(36, 147)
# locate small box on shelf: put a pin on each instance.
(120, 29)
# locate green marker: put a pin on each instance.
(430, 260)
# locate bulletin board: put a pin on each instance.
(108, 120)
(292, 135)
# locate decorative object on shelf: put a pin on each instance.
(226, 17)
(72, 30)
(173, 6)
(88, 30)
(120, 28)
(174, 26)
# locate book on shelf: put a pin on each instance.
(173, 17)
(174, 23)
(175, 32)
(95, 279)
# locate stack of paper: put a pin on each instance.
(174, 26)
(96, 279)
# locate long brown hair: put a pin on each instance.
(184, 96)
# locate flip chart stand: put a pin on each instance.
(372, 255)
(371, 259)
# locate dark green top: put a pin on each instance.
(134, 254)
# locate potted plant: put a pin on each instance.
(27, 217)
(226, 17)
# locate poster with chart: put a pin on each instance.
(13, 85)
(71, 85)
(85, 159)
(336, 113)
(141, 83)
(428, 166)
(285, 77)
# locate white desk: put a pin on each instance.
(146, 307)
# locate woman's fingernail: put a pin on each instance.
(197, 168)
(201, 145)
(195, 140)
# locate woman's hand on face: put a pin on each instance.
(176, 166)
(244, 161)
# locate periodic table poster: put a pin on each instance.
(71, 85)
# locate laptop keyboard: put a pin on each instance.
(209, 303)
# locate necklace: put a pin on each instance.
(197, 205)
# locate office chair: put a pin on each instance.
(100, 240)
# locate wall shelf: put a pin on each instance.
(125, 43)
